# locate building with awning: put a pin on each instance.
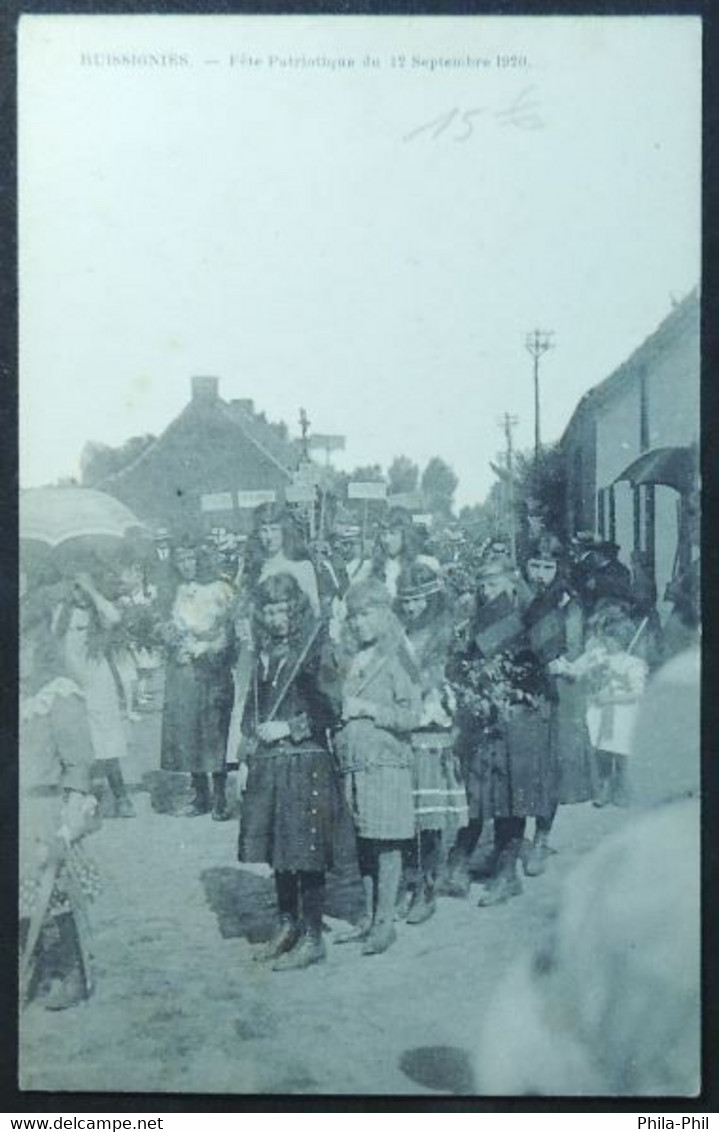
(631, 451)
(212, 465)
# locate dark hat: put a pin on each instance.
(546, 547)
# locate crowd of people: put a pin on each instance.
(390, 682)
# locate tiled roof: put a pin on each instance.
(283, 454)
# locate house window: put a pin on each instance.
(637, 512)
(645, 535)
(601, 512)
(643, 411)
(649, 539)
(612, 515)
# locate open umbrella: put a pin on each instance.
(671, 467)
(57, 515)
(70, 528)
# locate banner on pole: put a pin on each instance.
(326, 443)
(308, 474)
(251, 499)
(300, 493)
(216, 501)
(360, 490)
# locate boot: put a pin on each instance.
(383, 933)
(200, 801)
(284, 939)
(458, 881)
(220, 809)
(535, 860)
(359, 933)
(380, 938)
(506, 883)
(405, 899)
(424, 904)
(309, 950)
(122, 806)
(62, 994)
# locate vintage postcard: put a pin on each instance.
(359, 536)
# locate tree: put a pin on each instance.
(403, 475)
(439, 484)
(541, 491)
(98, 461)
(370, 473)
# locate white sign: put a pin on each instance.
(327, 443)
(366, 490)
(422, 520)
(300, 493)
(217, 501)
(308, 474)
(255, 498)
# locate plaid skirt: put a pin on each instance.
(440, 799)
(380, 801)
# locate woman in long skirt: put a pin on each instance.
(198, 682)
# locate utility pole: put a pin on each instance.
(507, 422)
(537, 343)
(305, 423)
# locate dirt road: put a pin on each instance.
(180, 1005)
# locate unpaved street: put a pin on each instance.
(181, 1006)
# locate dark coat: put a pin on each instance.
(291, 801)
(507, 749)
(555, 627)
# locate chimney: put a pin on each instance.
(246, 404)
(205, 387)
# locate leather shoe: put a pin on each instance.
(309, 950)
(382, 936)
(283, 940)
(423, 907)
(502, 890)
(357, 934)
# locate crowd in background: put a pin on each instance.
(428, 687)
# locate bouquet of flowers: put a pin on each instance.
(489, 689)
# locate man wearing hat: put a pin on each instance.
(598, 573)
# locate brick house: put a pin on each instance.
(631, 444)
(209, 468)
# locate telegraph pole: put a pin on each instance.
(537, 343)
(507, 422)
(305, 428)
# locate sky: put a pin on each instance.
(361, 216)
